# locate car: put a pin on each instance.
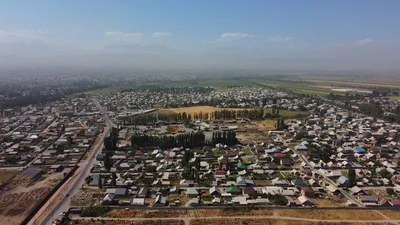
(62, 213)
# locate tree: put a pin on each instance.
(113, 178)
(352, 178)
(100, 185)
(11, 159)
(386, 174)
(390, 191)
(70, 140)
(107, 161)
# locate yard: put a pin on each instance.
(252, 221)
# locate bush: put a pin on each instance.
(93, 211)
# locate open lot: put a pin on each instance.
(136, 222)
(333, 214)
(227, 221)
(19, 197)
(133, 213)
(6, 175)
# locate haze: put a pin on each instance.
(279, 35)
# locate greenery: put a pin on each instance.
(93, 211)
(193, 139)
(352, 178)
(277, 199)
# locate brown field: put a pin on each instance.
(132, 213)
(6, 175)
(394, 97)
(333, 214)
(143, 222)
(328, 203)
(14, 207)
(227, 221)
(266, 124)
(392, 214)
(197, 109)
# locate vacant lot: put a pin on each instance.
(392, 214)
(132, 213)
(332, 214)
(6, 175)
(227, 221)
(138, 222)
(394, 97)
(198, 109)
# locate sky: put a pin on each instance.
(284, 34)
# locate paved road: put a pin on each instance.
(79, 179)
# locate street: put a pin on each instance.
(74, 183)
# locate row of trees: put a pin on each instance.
(192, 139)
(225, 137)
(224, 114)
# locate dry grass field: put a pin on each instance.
(147, 222)
(132, 213)
(328, 203)
(392, 214)
(265, 222)
(6, 175)
(197, 109)
(332, 214)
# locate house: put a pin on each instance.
(138, 202)
(333, 190)
(304, 201)
(233, 190)
(241, 181)
(298, 182)
(368, 199)
(307, 191)
(395, 202)
(342, 181)
(143, 192)
(192, 192)
(118, 191)
(220, 174)
(108, 199)
(214, 191)
(286, 162)
(249, 191)
(160, 200)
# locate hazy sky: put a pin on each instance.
(309, 34)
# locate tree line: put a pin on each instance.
(192, 139)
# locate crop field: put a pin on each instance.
(201, 83)
(332, 214)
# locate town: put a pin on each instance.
(240, 147)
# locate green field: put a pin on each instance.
(201, 83)
(316, 88)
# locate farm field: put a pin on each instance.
(201, 83)
(332, 214)
(394, 97)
